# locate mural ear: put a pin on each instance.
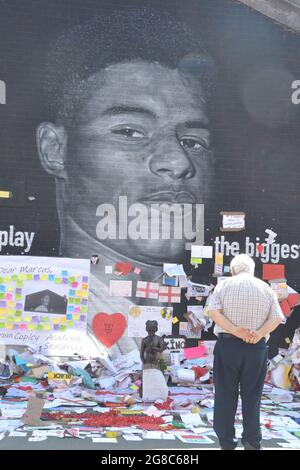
(52, 146)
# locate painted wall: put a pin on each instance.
(188, 103)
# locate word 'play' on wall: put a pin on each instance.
(2, 92)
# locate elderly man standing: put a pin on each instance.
(245, 311)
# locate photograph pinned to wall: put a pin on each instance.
(233, 221)
(186, 329)
(44, 303)
(198, 290)
(171, 281)
(138, 315)
(53, 299)
(195, 317)
(170, 276)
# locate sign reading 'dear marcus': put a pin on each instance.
(44, 303)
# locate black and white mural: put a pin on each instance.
(126, 130)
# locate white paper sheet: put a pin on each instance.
(120, 288)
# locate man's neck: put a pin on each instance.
(76, 243)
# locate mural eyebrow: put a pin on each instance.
(196, 124)
(114, 110)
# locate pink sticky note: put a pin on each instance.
(137, 271)
(194, 353)
(77, 310)
(8, 296)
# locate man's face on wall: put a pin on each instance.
(46, 300)
(143, 133)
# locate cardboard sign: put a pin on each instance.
(175, 344)
(33, 412)
(109, 328)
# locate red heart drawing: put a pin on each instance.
(260, 248)
(124, 268)
(109, 328)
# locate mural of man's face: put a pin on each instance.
(46, 300)
(142, 133)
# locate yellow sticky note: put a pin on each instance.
(62, 320)
(22, 277)
(17, 319)
(206, 311)
(219, 258)
(79, 293)
(47, 327)
(9, 326)
(31, 326)
(10, 288)
(76, 317)
(134, 387)
(85, 294)
(5, 194)
(27, 319)
(44, 277)
(10, 303)
(55, 321)
(175, 320)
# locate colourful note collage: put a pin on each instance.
(13, 317)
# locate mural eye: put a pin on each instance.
(129, 132)
(190, 143)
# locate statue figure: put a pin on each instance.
(152, 345)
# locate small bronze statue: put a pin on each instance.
(152, 345)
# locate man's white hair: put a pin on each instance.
(242, 264)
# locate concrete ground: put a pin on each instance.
(21, 443)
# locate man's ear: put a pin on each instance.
(52, 148)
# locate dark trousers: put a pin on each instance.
(238, 366)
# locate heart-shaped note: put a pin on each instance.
(109, 328)
(260, 248)
(123, 268)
